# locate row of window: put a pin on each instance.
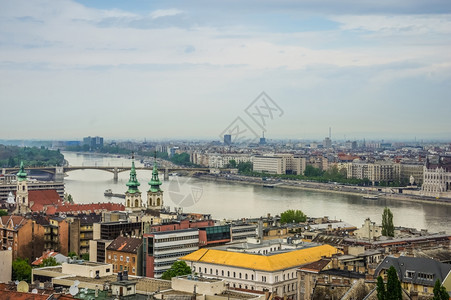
(178, 238)
(176, 255)
(176, 247)
(121, 258)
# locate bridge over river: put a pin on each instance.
(58, 172)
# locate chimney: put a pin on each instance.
(119, 276)
(125, 275)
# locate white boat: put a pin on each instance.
(371, 197)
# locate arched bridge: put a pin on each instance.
(60, 171)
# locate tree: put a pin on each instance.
(292, 216)
(311, 171)
(179, 268)
(394, 291)
(380, 288)
(71, 254)
(245, 167)
(440, 292)
(388, 229)
(3, 212)
(85, 256)
(21, 270)
(232, 163)
(48, 262)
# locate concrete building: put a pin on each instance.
(6, 261)
(241, 231)
(275, 271)
(413, 169)
(377, 172)
(81, 230)
(95, 142)
(217, 160)
(162, 249)
(227, 139)
(369, 231)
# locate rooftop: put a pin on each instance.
(259, 262)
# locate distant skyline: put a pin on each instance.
(186, 69)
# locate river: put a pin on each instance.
(225, 200)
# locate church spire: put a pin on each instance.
(133, 183)
(21, 175)
(155, 181)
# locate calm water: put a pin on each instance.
(234, 200)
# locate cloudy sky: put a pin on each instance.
(187, 69)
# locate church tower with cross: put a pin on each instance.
(155, 194)
(133, 195)
(22, 191)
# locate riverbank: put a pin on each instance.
(325, 188)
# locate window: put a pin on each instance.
(222, 272)
(115, 257)
(205, 270)
(245, 276)
(127, 259)
(216, 272)
(109, 256)
(234, 274)
(240, 275)
(122, 258)
(121, 267)
(134, 270)
(252, 277)
(107, 270)
(133, 259)
(228, 273)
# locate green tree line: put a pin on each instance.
(11, 156)
(310, 173)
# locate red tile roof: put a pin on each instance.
(90, 208)
(41, 199)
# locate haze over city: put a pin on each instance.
(187, 69)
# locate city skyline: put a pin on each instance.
(184, 69)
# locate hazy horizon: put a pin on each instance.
(187, 69)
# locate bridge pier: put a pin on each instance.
(166, 174)
(116, 174)
(59, 174)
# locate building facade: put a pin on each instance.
(162, 249)
(125, 254)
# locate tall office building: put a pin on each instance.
(227, 139)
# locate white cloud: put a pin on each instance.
(159, 13)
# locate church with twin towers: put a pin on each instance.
(133, 199)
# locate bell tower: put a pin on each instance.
(155, 194)
(22, 191)
(133, 195)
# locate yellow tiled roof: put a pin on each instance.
(261, 262)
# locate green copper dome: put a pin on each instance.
(133, 182)
(155, 181)
(21, 175)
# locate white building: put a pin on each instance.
(437, 178)
(275, 271)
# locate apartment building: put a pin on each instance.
(125, 254)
